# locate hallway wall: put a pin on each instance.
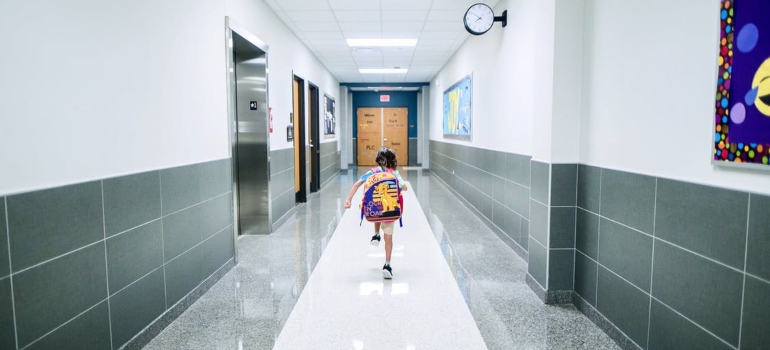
(96, 95)
(93, 264)
(666, 93)
(642, 213)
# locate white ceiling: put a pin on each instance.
(323, 26)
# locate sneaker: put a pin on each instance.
(387, 272)
(375, 239)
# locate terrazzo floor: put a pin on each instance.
(444, 255)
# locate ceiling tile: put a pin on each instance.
(366, 51)
(443, 25)
(402, 26)
(333, 43)
(407, 4)
(404, 16)
(369, 62)
(310, 16)
(396, 62)
(312, 36)
(357, 16)
(360, 26)
(412, 34)
(354, 34)
(353, 4)
(325, 46)
(454, 5)
(444, 34)
(292, 5)
(446, 15)
(317, 26)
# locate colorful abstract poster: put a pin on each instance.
(457, 110)
(742, 121)
(329, 121)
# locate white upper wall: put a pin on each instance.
(649, 86)
(501, 62)
(92, 90)
(286, 56)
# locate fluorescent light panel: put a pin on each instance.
(382, 42)
(382, 70)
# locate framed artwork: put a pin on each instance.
(458, 116)
(742, 110)
(329, 120)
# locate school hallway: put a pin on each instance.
(316, 283)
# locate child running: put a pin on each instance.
(386, 159)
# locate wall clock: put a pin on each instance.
(479, 19)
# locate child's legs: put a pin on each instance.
(387, 228)
(377, 227)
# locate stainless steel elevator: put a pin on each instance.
(252, 148)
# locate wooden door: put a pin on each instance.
(369, 135)
(396, 132)
(296, 111)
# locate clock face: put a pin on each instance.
(479, 19)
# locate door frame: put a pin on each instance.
(232, 115)
(315, 139)
(299, 137)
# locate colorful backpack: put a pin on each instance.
(382, 200)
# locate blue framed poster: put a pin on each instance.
(458, 123)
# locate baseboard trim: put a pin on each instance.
(283, 219)
(604, 324)
(549, 297)
(153, 329)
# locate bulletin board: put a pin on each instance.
(458, 123)
(742, 110)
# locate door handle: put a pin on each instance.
(385, 140)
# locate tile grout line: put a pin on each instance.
(667, 242)
(199, 243)
(652, 259)
(134, 282)
(490, 197)
(133, 228)
(57, 257)
(10, 271)
(695, 323)
(106, 264)
(642, 290)
(745, 262)
(162, 239)
(475, 167)
(196, 204)
(574, 229)
(64, 324)
(598, 240)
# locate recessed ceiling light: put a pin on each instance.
(382, 42)
(382, 70)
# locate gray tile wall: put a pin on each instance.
(552, 225)
(496, 184)
(93, 264)
(674, 265)
(282, 192)
(330, 161)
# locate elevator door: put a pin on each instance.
(251, 149)
(379, 127)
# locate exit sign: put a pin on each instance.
(384, 98)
